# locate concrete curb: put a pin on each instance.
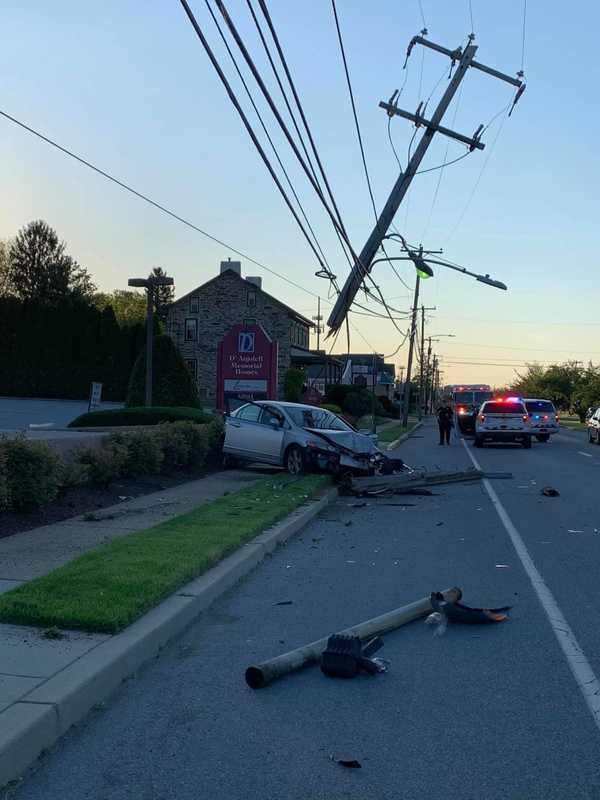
(40, 718)
(404, 437)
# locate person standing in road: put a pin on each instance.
(445, 417)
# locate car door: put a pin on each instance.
(271, 435)
(241, 431)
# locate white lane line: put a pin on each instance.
(579, 665)
(587, 455)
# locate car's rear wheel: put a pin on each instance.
(542, 437)
(294, 460)
(478, 441)
(590, 437)
(527, 442)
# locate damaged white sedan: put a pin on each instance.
(300, 438)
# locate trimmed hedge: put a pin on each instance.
(30, 474)
(142, 415)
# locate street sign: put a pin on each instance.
(95, 396)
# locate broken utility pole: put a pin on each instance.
(363, 264)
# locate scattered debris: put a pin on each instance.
(357, 505)
(351, 764)
(350, 562)
(347, 524)
(438, 524)
(284, 603)
(457, 612)
(398, 505)
(440, 621)
(345, 656)
(502, 566)
(570, 530)
(53, 633)
(549, 491)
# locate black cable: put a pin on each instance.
(389, 123)
(445, 164)
(523, 41)
(264, 127)
(351, 93)
(247, 125)
(151, 202)
(242, 47)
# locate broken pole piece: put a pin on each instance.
(260, 675)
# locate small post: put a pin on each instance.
(149, 343)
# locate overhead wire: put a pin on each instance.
(266, 132)
(523, 39)
(471, 15)
(151, 202)
(246, 122)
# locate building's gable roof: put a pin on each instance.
(268, 296)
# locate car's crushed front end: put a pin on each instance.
(340, 452)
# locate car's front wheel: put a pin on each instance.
(542, 437)
(295, 462)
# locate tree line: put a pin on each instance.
(57, 331)
(571, 386)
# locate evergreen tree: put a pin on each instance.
(172, 382)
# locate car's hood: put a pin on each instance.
(350, 440)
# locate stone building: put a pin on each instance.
(199, 320)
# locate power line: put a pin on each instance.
(471, 15)
(264, 127)
(151, 202)
(523, 40)
(422, 13)
(351, 93)
(248, 126)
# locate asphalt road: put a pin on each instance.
(17, 413)
(491, 712)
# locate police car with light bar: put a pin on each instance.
(543, 418)
(504, 419)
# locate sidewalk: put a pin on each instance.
(33, 553)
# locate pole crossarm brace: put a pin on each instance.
(463, 58)
(473, 142)
(455, 55)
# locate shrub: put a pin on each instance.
(103, 464)
(358, 403)
(188, 446)
(142, 415)
(216, 431)
(293, 382)
(143, 455)
(172, 382)
(5, 503)
(33, 473)
(74, 474)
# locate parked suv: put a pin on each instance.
(543, 418)
(503, 420)
(593, 427)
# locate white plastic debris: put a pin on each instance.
(440, 621)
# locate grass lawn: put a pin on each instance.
(395, 431)
(573, 423)
(107, 589)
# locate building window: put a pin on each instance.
(251, 299)
(192, 365)
(191, 330)
(194, 305)
(250, 321)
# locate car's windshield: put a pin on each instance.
(539, 405)
(317, 418)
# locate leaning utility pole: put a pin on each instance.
(319, 319)
(362, 266)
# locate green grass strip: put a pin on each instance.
(107, 589)
(395, 432)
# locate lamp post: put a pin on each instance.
(149, 284)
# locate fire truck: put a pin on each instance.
(467, 399)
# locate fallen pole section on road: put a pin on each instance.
(404, 483)
(262, 674)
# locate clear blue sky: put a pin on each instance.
(127, 85)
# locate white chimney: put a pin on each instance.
(255, 280)
(234, 266)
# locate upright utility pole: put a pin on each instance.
(411, 345)
(422, 365)
(319, 319)
(363, 262)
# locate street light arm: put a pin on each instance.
(482, 278)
